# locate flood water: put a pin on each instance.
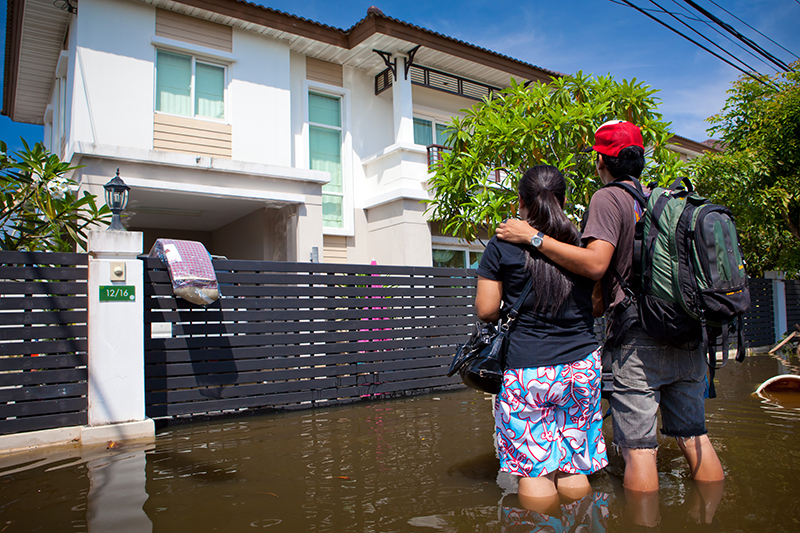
(417, 464)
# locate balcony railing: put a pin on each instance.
(435, 155)
(438, 80)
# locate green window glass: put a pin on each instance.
(423, 134)
(325, 153)
(324, 109)
(441, 136)
(210, 90)
(173, 83)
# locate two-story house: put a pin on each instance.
(263, 135)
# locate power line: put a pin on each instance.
(689, 17)
(727, 27)
(701, 35)
(727, 37)
(755, 30)
(737, 67)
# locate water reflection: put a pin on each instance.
(589, 514)
(415, 464)
(117, 493)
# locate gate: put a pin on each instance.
(299, 335)
(759, 320)
(43, 329)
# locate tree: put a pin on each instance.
(525, 125)
(38, 209)
(758, 175)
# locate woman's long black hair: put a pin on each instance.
(542, 190)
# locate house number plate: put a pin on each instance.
(117, 293)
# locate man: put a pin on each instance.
(641, 383)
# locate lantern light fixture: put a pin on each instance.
(116, 200)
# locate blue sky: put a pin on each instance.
(595, 36)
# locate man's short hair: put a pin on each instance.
(629, 162)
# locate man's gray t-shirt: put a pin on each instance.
(612, 218)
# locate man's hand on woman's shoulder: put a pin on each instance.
(515, 230)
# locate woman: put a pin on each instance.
(548, 415)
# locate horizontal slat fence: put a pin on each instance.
(295, 335)
(43, 341)
(759, 321)
(792, 303)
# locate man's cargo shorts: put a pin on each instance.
(648, 374)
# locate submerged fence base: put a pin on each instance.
(107, 435)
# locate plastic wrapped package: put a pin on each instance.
(190, 269)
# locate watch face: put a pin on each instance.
(536, 241)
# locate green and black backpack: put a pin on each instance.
(689, 279)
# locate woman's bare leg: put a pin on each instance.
(539, 493)
(572, 486)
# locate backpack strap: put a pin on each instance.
(677, 184)
(740, 350)
(634, 190)
(637, 193)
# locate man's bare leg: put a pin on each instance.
(702, 458)
(641, 485)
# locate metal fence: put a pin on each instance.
(283, 335)
(302, 335)
(43, 341)
(759, 321)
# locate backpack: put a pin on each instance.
(689, 279)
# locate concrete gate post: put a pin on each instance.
(778, 302)
(116, 339)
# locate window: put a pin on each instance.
(425, 131)
(456, 258)
(188, 87)
(325, 153)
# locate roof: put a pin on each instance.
(711, 145)
(354, 47)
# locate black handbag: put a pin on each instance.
(480, 361)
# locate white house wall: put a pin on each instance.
(260, 100)
(114, 74)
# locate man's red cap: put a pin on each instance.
(615, 135)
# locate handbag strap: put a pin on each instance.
(514, 312)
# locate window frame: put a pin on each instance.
(310, 86)
(434, 120)
(465, 251)
(195, 58)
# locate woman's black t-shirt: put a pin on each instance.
(540, 339)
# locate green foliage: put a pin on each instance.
(523, 126)
(758, 175)
(38, 209)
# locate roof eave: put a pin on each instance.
(13, 38)
(374, 23)
(692, 145)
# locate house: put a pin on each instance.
(261, 134)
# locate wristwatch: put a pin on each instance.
(536, 240)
